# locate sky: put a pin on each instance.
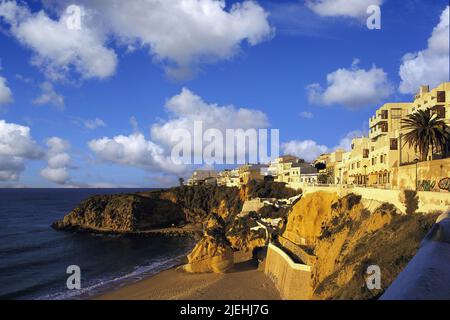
(95, 104)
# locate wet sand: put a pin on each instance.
(244, 282)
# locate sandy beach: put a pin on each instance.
(244, 282)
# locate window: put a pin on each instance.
(381, 159)
(358, 164)
(439, 111)
(441, 96)
(384, 114)
(394, 144)
(365, 153)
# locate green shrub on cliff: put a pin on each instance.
(411, 201)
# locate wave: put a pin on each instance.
(100, 286)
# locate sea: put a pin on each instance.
(34, 258)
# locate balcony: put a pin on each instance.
(380, 129)
(382, 115)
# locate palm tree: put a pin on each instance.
(425, 132)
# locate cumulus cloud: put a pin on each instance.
(49, 96)
(179, 34)
(133, 150)
(57, 49)
(10, 168)
(346, 142)
(58, 161)
(310, 150)
(209, 31)
(353, 88)
(6, 95)
(16, 146)
(431, 65)
(342, 8)
(154, 153)
(187, 107)
(306, 149)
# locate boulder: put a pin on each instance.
(210, 256)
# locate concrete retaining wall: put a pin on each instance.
(428, 201)
(432, 171)
(298, 251)
(293, 280)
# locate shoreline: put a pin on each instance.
(244, 282)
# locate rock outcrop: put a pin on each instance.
(244, 234)
(142, 211)
(210, 256)
(346, 239)
(122, 213)
(213, 253)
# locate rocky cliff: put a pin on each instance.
(122, 213)
(346, 239)
(136, 212)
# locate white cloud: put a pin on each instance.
(306, 149)
(90, 124)
(10, 168)
(309, 150)
(58, 161)
(49, 96)
(153, 154)
(6, 95)
(94, 124)
(342, 8)
(429, 66)
(133, 150)
(306, 115)
(187, 107)
(346, 142)
(16, 146)
(185, 32)
(353, 88)
(57, 49)
(179, 33)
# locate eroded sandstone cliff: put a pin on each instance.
(213, 253)
(346, 238)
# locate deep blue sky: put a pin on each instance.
(271, 76)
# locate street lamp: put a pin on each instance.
(365, 175)
(416, 160)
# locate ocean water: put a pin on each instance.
(34, 257)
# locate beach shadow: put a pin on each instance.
(248, 265)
